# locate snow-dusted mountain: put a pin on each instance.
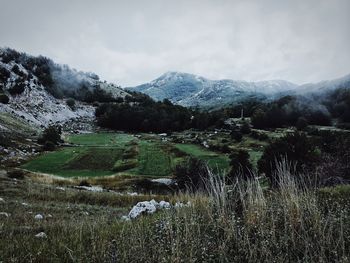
(37, 90)
(324, 86)
(191, 90)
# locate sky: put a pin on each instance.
(135, 41)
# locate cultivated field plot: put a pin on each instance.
(102, 154)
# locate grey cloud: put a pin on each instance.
(131, 42)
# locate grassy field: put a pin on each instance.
(216, 161)
(102, 154)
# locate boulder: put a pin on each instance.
(39, 217)
(148, 207)
(41, 235)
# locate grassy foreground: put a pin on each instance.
(242, 223)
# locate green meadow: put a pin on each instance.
(102, 154)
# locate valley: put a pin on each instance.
(93, 172)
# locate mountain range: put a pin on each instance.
(37, 90)
(195, 91)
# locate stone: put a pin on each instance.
(39, 217)
(41, 235)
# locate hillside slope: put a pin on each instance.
(191, 90)
(36, 90)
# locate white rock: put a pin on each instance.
(132, 194)
(24, 204)
(140, 208)
(39, 217)
(4, 214)
(125, 218)
(2, 200)
(155, 203)
(180, 204)
(41, 235)
(90, 188)
(60, 188)
(166, 181)
(164, 205)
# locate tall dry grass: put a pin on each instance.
(243, 222)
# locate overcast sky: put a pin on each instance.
(132, 42)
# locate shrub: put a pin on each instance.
(301, 124)
(16, 173)
(258, 119)
(18, 88)
(240, 165)
(49, 146)
(71, 103)
(4, 98)
(259, 136)
(245, 129)
(4, 74)
(236, 135)
(296, 148)
(51, 134)
(191, 174)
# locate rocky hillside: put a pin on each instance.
(42, 92)
(191, 90)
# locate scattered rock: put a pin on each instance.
(125, 218)
(39, 217)
(166, 181)
(60, 188)
(90, 188)
(180, 204)
(164, 205)
(147, 207)
(140, 208)
(41, 235)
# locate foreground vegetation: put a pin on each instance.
(242, 223)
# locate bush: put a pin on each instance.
(236, 135)
(240, 165)
(295, 148)
(258, 119)
(301, 124)
(191, 174)
(245, 129)
(4, 74)
(71, 103)
(16, 174)
(49, 146)
(4, 98)
(259, 136)
(51, 134)
(18, 88)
